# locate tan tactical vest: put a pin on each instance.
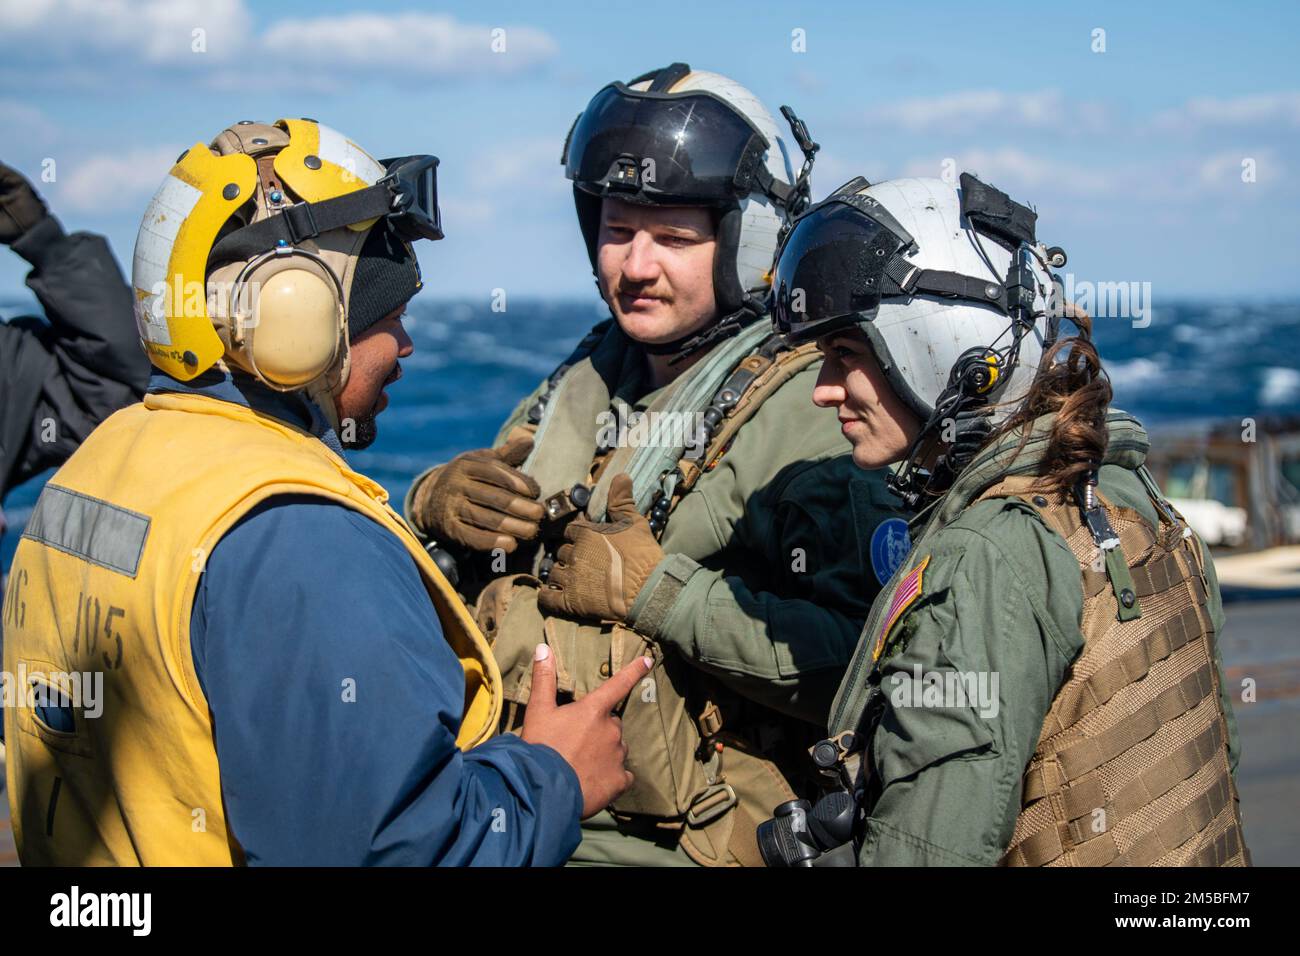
(1131, 767)
(703, 769)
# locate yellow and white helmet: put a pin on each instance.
(249, 251)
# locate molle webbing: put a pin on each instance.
(1131, 766)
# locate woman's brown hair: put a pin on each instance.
(1071, 384)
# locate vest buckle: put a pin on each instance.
(710, 803)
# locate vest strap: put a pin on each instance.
(755, 380)
(1038, 849)
(1099, 851)
(1041, 778)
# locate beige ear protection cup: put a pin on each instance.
(288, 319)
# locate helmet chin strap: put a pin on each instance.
(913, 483)
(320, 393)
(967, 389)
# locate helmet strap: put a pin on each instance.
(913, 482)
(800, 197)
(664, 79)
(319, 392)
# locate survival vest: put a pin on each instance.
(104, 580)
(709, 765)
(1131, 766)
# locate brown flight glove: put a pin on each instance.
(481, 500)
(602, 567)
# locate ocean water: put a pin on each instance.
(1194, 361)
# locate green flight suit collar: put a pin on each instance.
(1126, 446)
(565, 442)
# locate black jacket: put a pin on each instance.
(61, 378)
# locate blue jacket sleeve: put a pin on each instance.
(335, 705)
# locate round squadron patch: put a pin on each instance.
(890, 543)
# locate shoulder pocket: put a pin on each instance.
(931, 709)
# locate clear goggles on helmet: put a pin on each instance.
(406, 197)
(831, 270)
(664, 146)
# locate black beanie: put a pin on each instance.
(386, 277)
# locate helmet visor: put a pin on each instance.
(830, 270)
(657, 147)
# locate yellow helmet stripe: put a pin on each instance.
(321, 163)
(170, 268)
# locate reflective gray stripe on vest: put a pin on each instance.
(89, 528)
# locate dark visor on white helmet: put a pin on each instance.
(848, 252)
(661, 147)
(831, 270)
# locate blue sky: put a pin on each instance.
(1132, 156)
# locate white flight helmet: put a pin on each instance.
(678, 136)
(948, 284)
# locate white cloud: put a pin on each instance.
(405, 44)
(1261, 110)
(112, 182)
(970, 110)
(155, 32)
(78, 43)
(463, 211)
(1012, 169)
(1225, 169)
(521, 180)
(1094, 192)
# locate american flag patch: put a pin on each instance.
(908, 590)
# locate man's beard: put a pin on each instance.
(361, 434)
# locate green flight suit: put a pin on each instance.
(761, 589)
(1000, 594)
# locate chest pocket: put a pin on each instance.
(57, 711)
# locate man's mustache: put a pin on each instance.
(641, 291)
